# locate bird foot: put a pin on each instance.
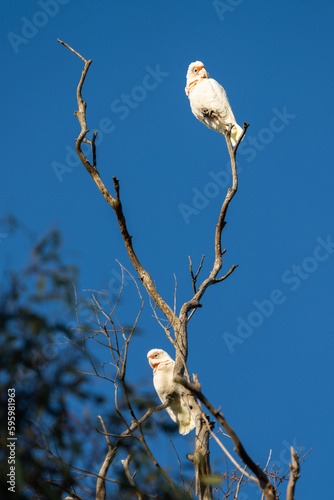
(209, 113)
(228, 129)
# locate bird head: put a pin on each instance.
(196, 72)
(157, 356)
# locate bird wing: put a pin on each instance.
(179, 410)
(211, 96)
(185, 418)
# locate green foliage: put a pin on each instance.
(40, 363)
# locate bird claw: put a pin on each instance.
(170, 397)
(229, 127)
(209, 113)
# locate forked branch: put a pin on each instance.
(114, 201)
(266, 486)
(179, 323)
(189, 307)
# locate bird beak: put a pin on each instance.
(150, 360)
(203, 73)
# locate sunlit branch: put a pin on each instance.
(266, 486)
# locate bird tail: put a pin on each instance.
(235, 134)
(185, 419)
(181, 414)
(186, 426)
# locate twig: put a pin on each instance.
(79, 469)
(94, 148)
(125, 464)
(239, 483)
(228, 454)
(194, 278)
(73, 494)
(165, 328)
(72, 50)
(178, 458)
(226, 275)
(130, 478)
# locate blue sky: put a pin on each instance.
(262, 344)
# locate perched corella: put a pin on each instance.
(209, 102)
(163, 367)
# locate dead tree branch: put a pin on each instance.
(181, 334)
(100, 483)
(141, 495)
(74, 495)
(114, 201)
(194, 278)
(294, 475)
(239, 483)
(119, 353)
(265, 485)
(201, 455)
(178, 323)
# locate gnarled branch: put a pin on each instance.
(114, 201)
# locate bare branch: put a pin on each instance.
(242, 135)
(159, 320)
(294, 475)
(86, 473)
(264, 482)
(100, 483)
(239, 483)
(178, 458)
(154, 461)
(72, 50)
(226, 275)
(181, 334)
(200, 458)
(175, 290)
(141, 495)
(178, 323)
(228, 454)
(136, 425)
(115, 203)
(73, 494)
(194, 278)
(269, 457)
(133, 427)
(125, 464)
(94, 148)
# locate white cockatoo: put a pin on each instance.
(209, 102)
(163, 368)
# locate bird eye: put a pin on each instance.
(195, 70)
(156, 355)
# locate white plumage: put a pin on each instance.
(163, 367)
(209, 102)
